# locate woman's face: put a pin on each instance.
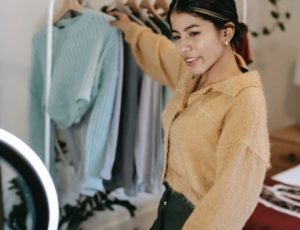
(197, 41)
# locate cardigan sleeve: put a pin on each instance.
(242, 158)
(155, 54)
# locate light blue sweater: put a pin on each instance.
(84, 76)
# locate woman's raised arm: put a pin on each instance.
(155, 54)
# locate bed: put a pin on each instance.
(277, 215)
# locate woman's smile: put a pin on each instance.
(191, 61)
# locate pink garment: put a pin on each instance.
(244, 50)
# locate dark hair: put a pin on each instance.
(219, 12)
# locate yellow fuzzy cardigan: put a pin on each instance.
(216, 138)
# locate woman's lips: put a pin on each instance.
(191, 61)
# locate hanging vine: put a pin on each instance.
(279, 18)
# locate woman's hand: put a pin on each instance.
(122, 20)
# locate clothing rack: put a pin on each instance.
(48, 83)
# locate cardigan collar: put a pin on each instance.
(236, 84)
(231, 86)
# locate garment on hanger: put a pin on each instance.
(147, 159)
(112, 141)
(148, 143)
(244, 49)
(142, 14)
(96, 110)
(84, 76)
(124, 169)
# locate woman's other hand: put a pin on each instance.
(122, 20)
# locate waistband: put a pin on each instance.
(171, 193)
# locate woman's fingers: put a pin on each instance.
(115, 14)
(121, 20)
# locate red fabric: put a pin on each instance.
(244, 50)
(264, 218)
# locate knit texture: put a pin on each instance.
(84, 76)
(216, 138)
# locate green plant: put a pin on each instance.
(74, 215)
(279, 18)
(71, 216)
(17, 217)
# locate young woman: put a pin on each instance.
(215, 127)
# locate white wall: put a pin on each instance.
(20, 20)
(275, 57)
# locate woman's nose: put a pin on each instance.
(185, 46)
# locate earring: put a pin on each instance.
(226, 43)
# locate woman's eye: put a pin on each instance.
(175, 37)
(192, 34)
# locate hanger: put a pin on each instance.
(109, 7)
(120, 4)
(69, 5)
(143, 15)
(134, 6)
(114, 5)
(146, 4)
(122, 7)
(161, 4)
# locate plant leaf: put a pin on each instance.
(274, 2)
(275, 14)
(281, 26)
(266, 31)
(254, 34)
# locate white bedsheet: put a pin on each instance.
(290, 176)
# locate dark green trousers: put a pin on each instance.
(174, 209)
